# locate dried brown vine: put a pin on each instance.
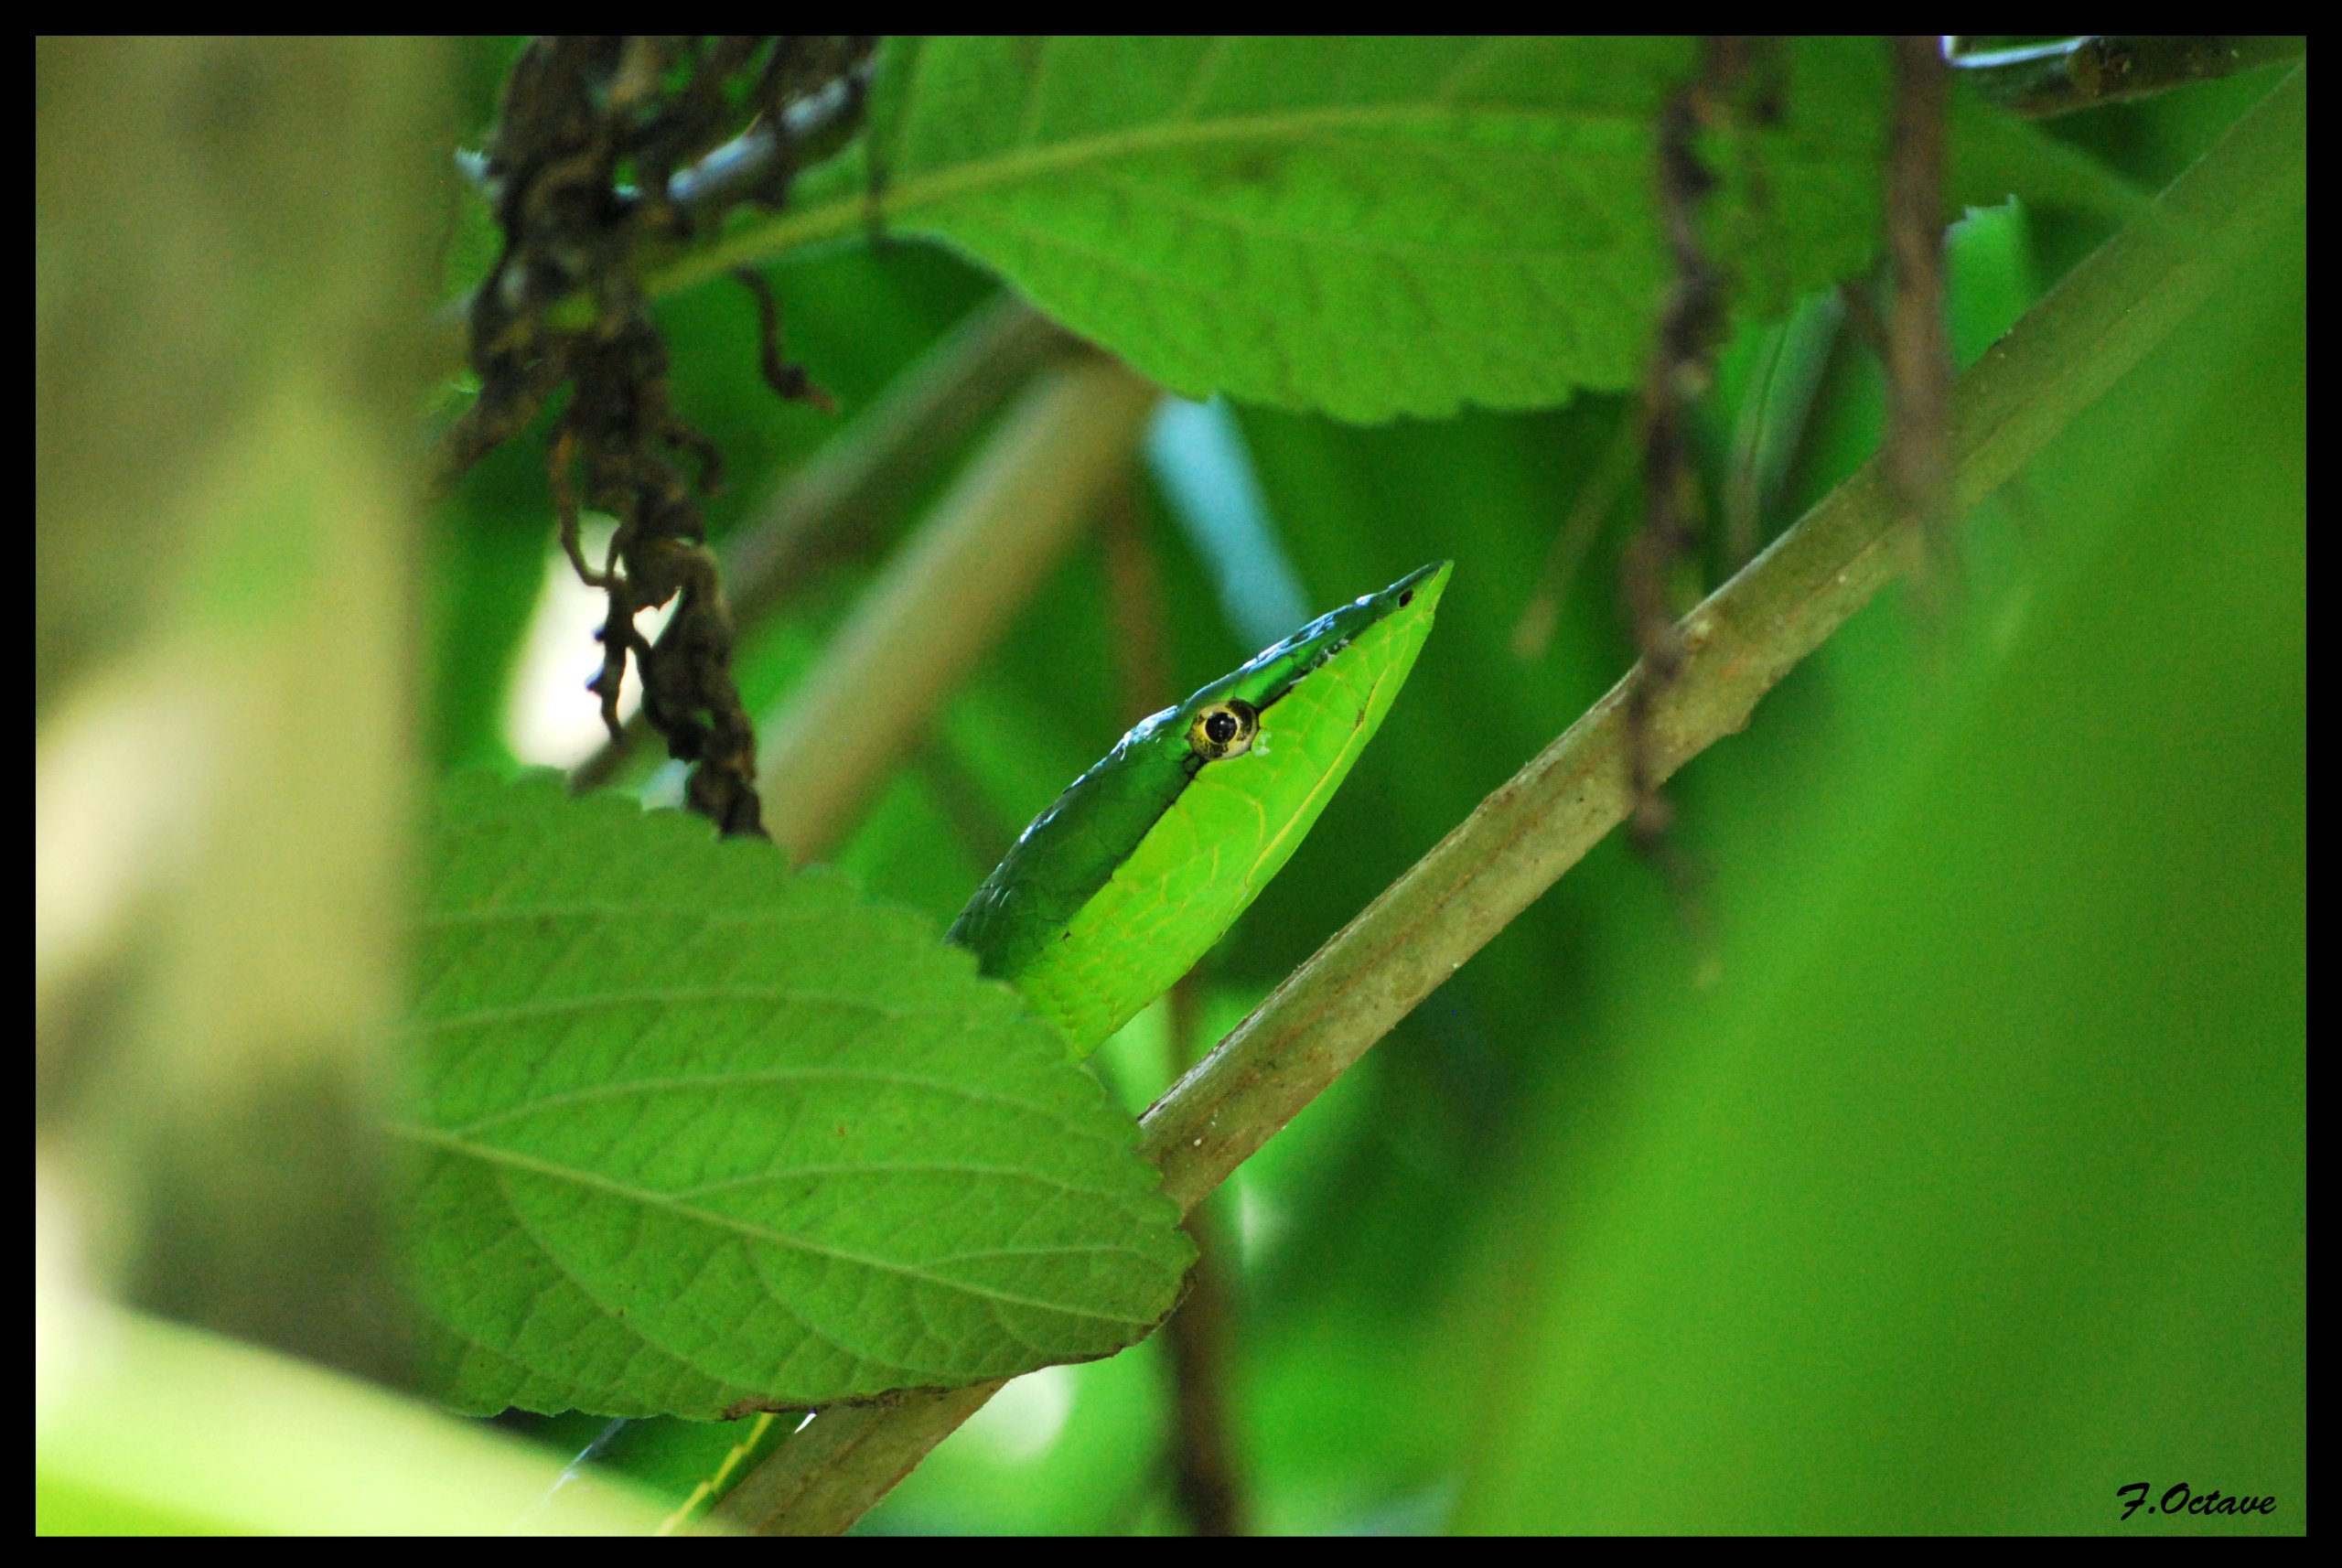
(1739, 81)
(607, 151)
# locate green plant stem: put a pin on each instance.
(2101, 321)
(980, 556)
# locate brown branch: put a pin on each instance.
(1918, 350)
(1207, 1469)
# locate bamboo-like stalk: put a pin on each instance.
(980, 556)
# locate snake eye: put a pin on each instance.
(1224, 730)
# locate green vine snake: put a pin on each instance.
(1129, 877)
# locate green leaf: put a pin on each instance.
(699, 1135)
(149, 1427)
(1365, 226)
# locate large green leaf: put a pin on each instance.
(699, 1135)
(1365, 226)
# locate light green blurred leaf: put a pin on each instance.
(1959, 1181)
(1996, 156)
(150, 1427)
